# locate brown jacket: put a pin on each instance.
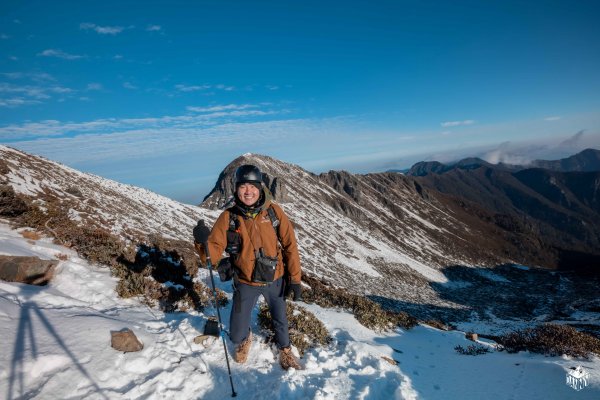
(255, 233)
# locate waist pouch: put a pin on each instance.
(225, 269)
(264, 269)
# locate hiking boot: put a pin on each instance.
(287, 359)
(241, 351)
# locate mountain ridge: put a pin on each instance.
(587, 160)
(391, 237)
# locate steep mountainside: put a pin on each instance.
(124, 210)
(559, 209)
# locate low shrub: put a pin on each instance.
(305, 329)
(161, 277)
(11, 204)
(62, 256)
(472, 350)
(366, 311)
(439, 325)
(551, 340)
(4, 169)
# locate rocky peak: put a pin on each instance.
(277, 175)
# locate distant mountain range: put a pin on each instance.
(416, 241)
(553, 203)
(585, 161)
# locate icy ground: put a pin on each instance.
(55, 344)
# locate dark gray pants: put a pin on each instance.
(244, 300)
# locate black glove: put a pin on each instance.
(296, 289)
(201, 232)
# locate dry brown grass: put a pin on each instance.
(31, 235)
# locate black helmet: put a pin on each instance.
(247, 174)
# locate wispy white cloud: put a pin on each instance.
(13, 95)
(574, 140)
(34, 76)
(94, 86)
(129, 85)
(102, 30)
(4, 36)
(506, 153)
(153, 28)
(38, 92)
(523, 153)
(552, 118)
(16, 102)
(225, 87)
(450, 124)
(118, 57)
(180, 137)
(195, 88)
(191, 88)
(207, 117)
(13, 58)
(60, 54)
(221, 108)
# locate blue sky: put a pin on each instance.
(165, 94)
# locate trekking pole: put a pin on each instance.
(221, 333)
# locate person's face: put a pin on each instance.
(248, 194)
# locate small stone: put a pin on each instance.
(389, 360)
(125, 340)
(472, 336)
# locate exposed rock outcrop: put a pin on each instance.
(27, 269)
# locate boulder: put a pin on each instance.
(125, 340)
(27, 269)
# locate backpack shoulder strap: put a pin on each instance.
(233, 234)
(234, 222)
(274, 220)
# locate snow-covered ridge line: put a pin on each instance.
(123, 208)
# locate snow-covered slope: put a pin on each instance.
(126, 211)
(56, 345)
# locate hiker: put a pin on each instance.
(263, 251)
